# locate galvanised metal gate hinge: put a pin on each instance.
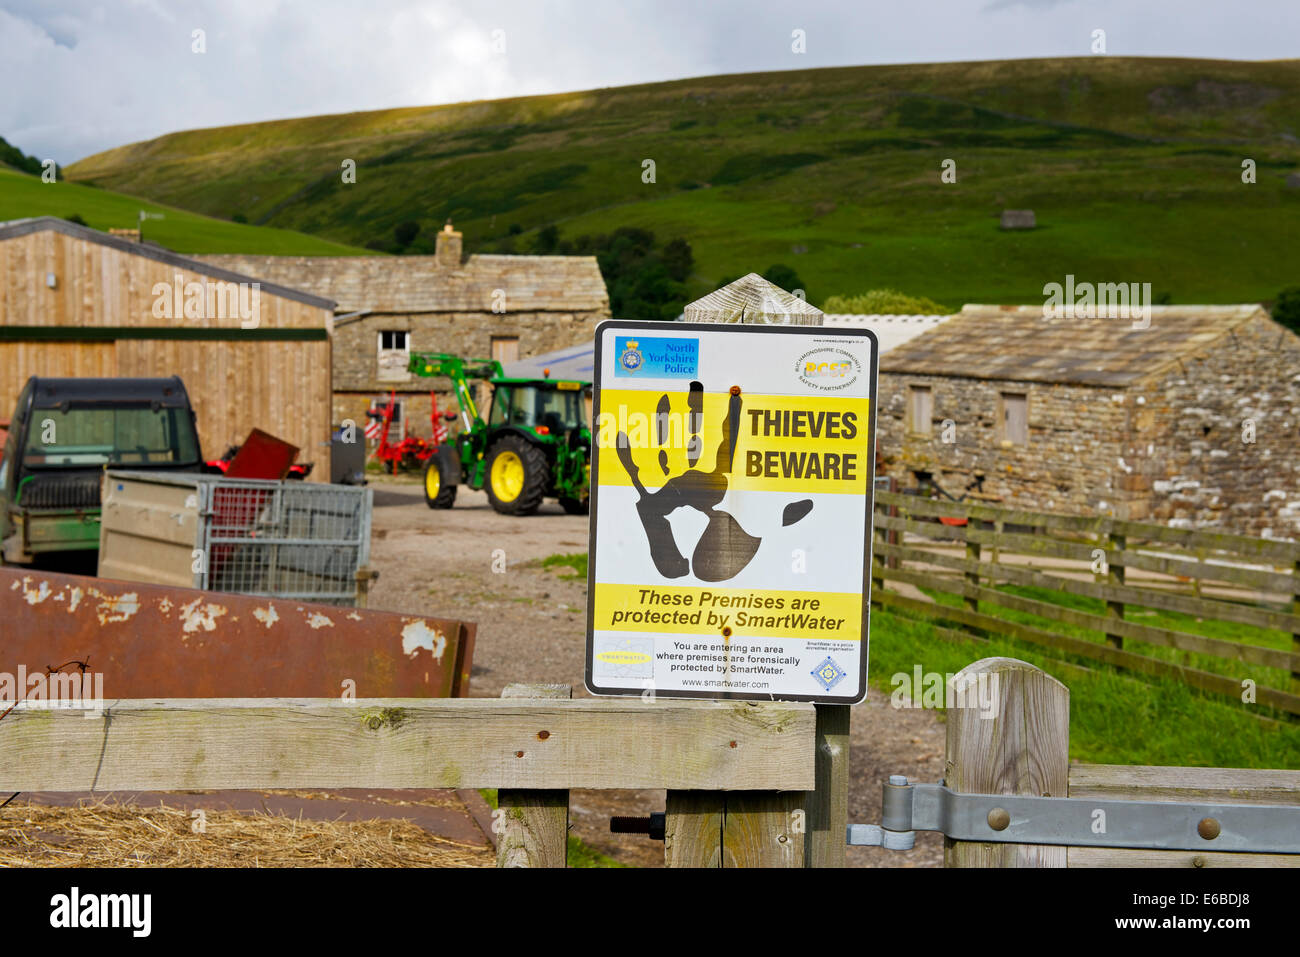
(1077, 822)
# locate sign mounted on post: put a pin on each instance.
(731, 503)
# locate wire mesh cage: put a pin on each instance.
(283, 539)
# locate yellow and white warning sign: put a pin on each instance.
(731, 484)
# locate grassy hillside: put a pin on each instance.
(1133, 167)
(22, 196)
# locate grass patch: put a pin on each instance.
(23, 196)
(1114, 718)
(576, 561)
(1173, 621)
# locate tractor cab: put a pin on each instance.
(542, 407)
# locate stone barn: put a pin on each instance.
(489, 306)
(1193, 421)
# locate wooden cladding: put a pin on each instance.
(74, 302)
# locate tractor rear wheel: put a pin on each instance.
(439, 483)
(517, 476)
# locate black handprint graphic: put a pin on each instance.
(725, 548)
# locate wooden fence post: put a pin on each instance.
(827, 809)
(972, 554)
(533, 826)
(761, 819)
(1295, 638)
(1021, 747)
(1115, 573)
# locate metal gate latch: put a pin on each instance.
(1076, 822)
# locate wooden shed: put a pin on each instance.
(78, 302)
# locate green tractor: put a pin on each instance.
(535, 444)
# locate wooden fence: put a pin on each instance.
(1211, 576)
(1024, 749)
(745, 780)
(729, 767)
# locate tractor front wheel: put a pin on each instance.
(576, 506)
(517, 476)
(439, 483)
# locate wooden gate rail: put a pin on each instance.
(524, 748)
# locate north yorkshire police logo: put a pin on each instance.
(631, 357)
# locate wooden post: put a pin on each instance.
(767, 817)
(827, 808)
(877, 560)
(533, 826)
(736, 829)
(1023, 747)
(693, 828)
(972, 554)
(1295, 638)
(1115, 573)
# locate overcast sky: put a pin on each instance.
(81, 76)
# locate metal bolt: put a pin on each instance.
(1208, 828)
(999, 819)
(652, 826)
(1198, 861)
(543, 735)
(898, 779)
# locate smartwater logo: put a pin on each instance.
(103, 910)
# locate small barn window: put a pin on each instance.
(920, 409)
(394, 355)
(1015, 418)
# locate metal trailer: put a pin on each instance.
(288, 539)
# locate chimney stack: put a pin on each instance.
(448, 248)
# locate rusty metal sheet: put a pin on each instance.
(164, 641)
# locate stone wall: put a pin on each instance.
(1076, 434)
(467, 334)
(1176, 449)
(1193, 425)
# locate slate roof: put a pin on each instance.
(416, 284)
(891, 330)
(1018, 343)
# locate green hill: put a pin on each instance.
(1133, 167)
(22, 195)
